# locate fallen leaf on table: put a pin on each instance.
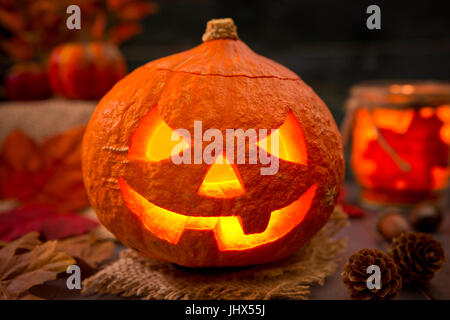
(47, 173)
(353, 211)
(88, 248)
(44, 219)
(27, 262)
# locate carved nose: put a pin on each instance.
(222, 180)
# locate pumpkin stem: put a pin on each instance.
(220, 29)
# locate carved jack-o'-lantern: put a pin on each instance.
(224, 213)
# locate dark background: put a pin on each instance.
(326, 42)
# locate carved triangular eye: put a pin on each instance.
(154, 140)
(291, 141)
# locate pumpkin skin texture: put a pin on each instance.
(85, 71)
(224, 84)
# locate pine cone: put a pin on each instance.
(417, 255)
(355, 275)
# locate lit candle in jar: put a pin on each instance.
(401, 138)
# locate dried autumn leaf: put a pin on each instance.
(28, 242)
(88, 248)
(20, 271)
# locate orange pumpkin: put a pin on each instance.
(85, 70)
(225, 213)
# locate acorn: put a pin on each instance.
(392, 223)
(425, 217)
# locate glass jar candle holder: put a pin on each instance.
(400, 140)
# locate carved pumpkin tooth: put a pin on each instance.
(255, 223)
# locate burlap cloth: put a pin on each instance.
(44, 118)
(133, 275)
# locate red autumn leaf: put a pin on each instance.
(22, 185)
(64, 190)
(45, 220)
(353, 211)
(49, 173)
(124, 31)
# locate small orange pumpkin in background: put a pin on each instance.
(85, 70)
(220, 214)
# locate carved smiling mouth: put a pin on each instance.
(228, 231)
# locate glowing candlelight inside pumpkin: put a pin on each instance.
(401, 138)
